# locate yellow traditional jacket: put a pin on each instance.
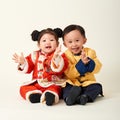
(73, 76)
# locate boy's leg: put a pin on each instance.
(71, 93)
(93, 90)
(66, 90)
(90, 93)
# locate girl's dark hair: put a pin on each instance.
(36, 35)
(72, 27)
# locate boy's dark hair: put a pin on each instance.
(72, 27)
(36, 35)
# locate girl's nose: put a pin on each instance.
(48, 42)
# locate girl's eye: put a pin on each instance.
(77, 40)
(44, 40)
(69, 41)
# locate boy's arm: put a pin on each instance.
(93, 64)
(92, 55)
(76, 69)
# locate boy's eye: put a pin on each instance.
(51, 40)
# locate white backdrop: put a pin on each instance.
(18, 18)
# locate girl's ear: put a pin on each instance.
(64, 44)
(38, 44)
(57, 43)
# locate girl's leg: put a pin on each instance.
(30, 93)
(51, 95)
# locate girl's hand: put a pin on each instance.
(19, 59)
(57, 52)
(84, 58)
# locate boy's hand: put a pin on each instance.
(84, 58)
(19, 58)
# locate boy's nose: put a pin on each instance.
(73, 44)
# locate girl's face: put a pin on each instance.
(48, 43)
(74, 41)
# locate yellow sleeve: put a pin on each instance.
(92, 54)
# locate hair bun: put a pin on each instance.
(35, 35)
(59, 32)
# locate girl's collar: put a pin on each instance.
(43, 53)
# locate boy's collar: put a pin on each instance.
(78, 54)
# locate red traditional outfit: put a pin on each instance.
(47, 74)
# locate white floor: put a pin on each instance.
(13, 107)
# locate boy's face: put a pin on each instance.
(48, 43)
(74, 41)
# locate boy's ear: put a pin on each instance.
(85, 40)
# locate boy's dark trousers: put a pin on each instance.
(92, 91)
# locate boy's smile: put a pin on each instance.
(74, 41)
